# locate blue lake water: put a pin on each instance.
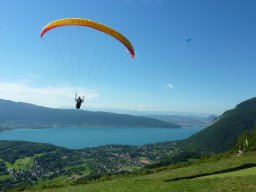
(77, 138)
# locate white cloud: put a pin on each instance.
(49, 96)
(169, 86)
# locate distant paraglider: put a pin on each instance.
(188, 40)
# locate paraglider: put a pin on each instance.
(80, 22)
(188, 41)
(79, 101)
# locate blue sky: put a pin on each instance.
(210, 74)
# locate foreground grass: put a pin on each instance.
(241, 173)
(180, 179)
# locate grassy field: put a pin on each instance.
(197, 176)
(22, 163)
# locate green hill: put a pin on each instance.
(223, 133)
(12, 150)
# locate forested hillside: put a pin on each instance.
(224, 132)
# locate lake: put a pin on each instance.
(77, 138)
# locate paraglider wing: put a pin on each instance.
(91, 24)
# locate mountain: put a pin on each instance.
(24, 115)
(211, 118)
(224, 131)
(184, 120)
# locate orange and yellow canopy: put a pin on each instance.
(91, 24)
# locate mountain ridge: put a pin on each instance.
(25, 115)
